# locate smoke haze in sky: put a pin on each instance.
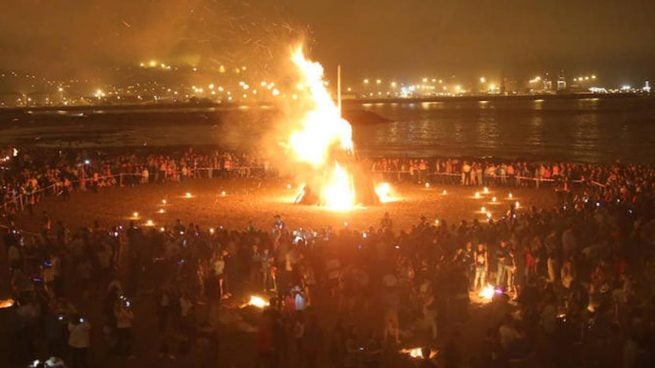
(377, 37)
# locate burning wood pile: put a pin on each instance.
(321, 143)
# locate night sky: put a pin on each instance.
(376, 38)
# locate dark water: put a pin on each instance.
(592, 130)
(580, 130)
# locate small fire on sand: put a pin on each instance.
(257, 301)
(417, 353)
(6, 303)
(487, 293)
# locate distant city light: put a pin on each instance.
(208, 83)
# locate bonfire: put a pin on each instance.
(322, 142)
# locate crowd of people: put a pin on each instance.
(28, 175)
(509, 173)
(570, 285)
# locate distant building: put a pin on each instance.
(548, 83)
(510, 87)
(561, 82)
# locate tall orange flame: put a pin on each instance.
(323, 140)
(321, 135)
